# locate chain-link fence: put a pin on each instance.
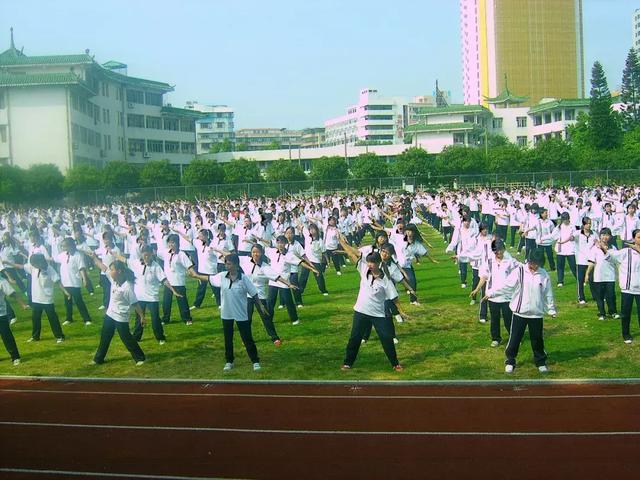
(367, 185)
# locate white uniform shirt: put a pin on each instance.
(149, 279)
(42, 283)
(373, 292)
(604, 269)
(496, 272)
(281, 264)
(70, 266)
(234, 295)
(5, 290)
(259, 275)
(175, 268)
(584, 244)
(122, 297)
(207, 258)
(531, 293)
(107, 256)
(628, 261)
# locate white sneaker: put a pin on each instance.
(91, 294)
(31, 340)
(13, 320)
(300, 306)
(582, 302)
(161, 342)
(495, 343)
(399, 318)
(338, 273)
(59, 340)
(16, 361)
(628, 341)
(140, 362)
(101, 307)
(600, 317)
(395, 341)
(464, 285)
(543, 369)
(297, 322)
(482, 320)
(363, 341)
(508, 369)
(256, 367)
(616, 316)
(280, 306)
(86, 324)
(560, 285)
(192, 307)
(472, 302)
(325, 294)
(227, 367)
(417, 303)
(66, 322)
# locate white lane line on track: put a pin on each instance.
(355, 396)
(72, 473)
(318, 432)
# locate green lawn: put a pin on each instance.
(443, 341)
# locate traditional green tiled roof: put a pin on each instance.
(451, 109)
(111, 64)
(506, 97)
(36, 79)
(140, 82)
(8, 59)
(183, 112)
(438, 127)
(554, 104)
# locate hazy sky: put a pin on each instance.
(292, 63)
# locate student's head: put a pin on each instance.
(498, 248)
(466, 221)
(38, 261)
(119, 272)
(173, 242)
(564, 216)
(232, 263)
(281, 242)
(605, 234)
(289, 233)
(636, 236)
(631, 208)
(412, 233)
(257, 253)
(332, 221)
(373, 261)
(544, 213)
(586, 223)
(147, 254)
(69, 245)
(205, 235)
(387, 251)
(314, 231)
(381, 238)
(483, 228)
(536, 259)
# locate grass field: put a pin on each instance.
(443, 341)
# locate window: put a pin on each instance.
(154, 122)
(107, 142)
(378, 117)
(105, 89)
(537, 120)
(3, 134)
(522, 141)
(136, 145)
(155, 146)
(469, 119)
(188, 147)
(153, 99)
(378, 127)
(106, 116)
(120, 118)
(378, 107)
(135, 96)
(569, 115)
(458, 138)
(558, 135)
(171, 124)
(497, 123)
(134, 120)
(120, 144)
(205, 125)
(219, 124)
(172, 147)
(187, 125)
(119, 93)
(547, 118)
(557, 116)
(521, 122)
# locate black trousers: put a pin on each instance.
(413, 282)
(489, 220)
(109, 326)
(625, 312)
(514, 234)
(267, 322)
(390, 310)
(582, 271)
(8, 338)
(571, 259)
(297, 294)
(304, 278)
(105, 284)
(156, 324)
(285, 294)
(76, 296)
(501, 232)
(383, 328)
(548, 250)
(447, 233)
(462, 266)
(36, 320)
(529, 246)
(336, 258)
(605, 292)
(497, 309)
(183, 304)
(202, 291)
(244, 327)
(518, 327)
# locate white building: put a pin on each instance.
(373, 120)
(70, 110)
(215, 126)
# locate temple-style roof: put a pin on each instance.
(506, 97)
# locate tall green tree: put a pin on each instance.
(369, 165)
(241, 171)
(11, 183)
(159, 173)
(82, 177)
(330, 168)
(506, 158)
(604, 126)
(284, 170)
(551, 155)
(414, 162)
(630, 92)
(458, 159)
(43, 181)
(120, 174)
(202, 172)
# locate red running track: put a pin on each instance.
(91, 429)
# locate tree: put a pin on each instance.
(242, 147)
(202, 172)
(241, 171)
(284, 170)
(506, 158)
(414, 162)
(630, 92)
(275, 145)
(11, 183)
(43, 181)
(120, 174)
(159, 173)
(330, 168)
(458, 159)
(223, 146)
(604, 125)
(552, 155)
(82, 177)
(369, 165)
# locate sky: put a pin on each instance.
(284, 63)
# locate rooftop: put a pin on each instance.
(450, 109)
(554, 104)
(439, 127)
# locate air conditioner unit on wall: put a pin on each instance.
(130, 105)
(146, 155)
(103, 154)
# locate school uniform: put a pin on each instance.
(5, 330)
(149, 279)
(408, 253)
(584, 243)
(207, 265)
(604, 278)
(331, 244)
(565, 249)
(463, 243)
(297, 250)
(628, 262)
(71, 265)
(42, 300)
(107, 257)
(175, 268)
(281, 264)
(260, 275)
(117, 318)
(531, 298)
(369, 309)
(495, 272)
(313, 250)
(478, 256)
(234, 295)
(544, 240)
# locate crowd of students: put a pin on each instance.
(256, 255)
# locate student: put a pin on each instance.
(480, 255)
(604, 274)
(628, 261)
(584, 242)
(117, 316)
(494, 272)
(207, 265)
(6, 290)
(564, 234)
(463, 243)
(107, 253)
(375, 288)
(294, 247)
(235, 289)
(628, 224)
(331, 242)
(544, 238)
(43, 279)
(176, 266)
(314, 251)
(531, 297)
(73, 274)
(410, 249)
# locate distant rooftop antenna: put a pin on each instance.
(441, 100)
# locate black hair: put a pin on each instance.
(497, 244)
(37, 260)
(605, 231)
(537, 256)
(208, 236)
(374, 257)
(122, 267)
(173, 238)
